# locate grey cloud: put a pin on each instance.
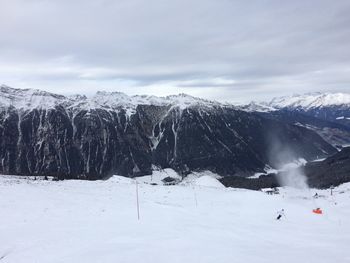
(260, 47)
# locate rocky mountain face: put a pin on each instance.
(328, 114)
(333, 132)
(111, 133)
(333, 107)
(338, 114)
(333, 171)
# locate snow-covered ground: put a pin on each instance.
(195, 221)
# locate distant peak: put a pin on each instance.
(28, 98)
(182, 95)
(311, 100)
(77, 97)
(257, 107)
(108, 93)
(189, 98)
(37, 92)
(3, 86)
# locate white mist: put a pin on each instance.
(292, 174)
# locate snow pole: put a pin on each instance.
(137, 201)
(195, 195)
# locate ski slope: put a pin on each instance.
(196, 221)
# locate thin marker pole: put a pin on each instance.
(137, 201)
(195, 195)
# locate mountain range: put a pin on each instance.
(76, 137)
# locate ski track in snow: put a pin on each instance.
(199, 221)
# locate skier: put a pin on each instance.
(280, 214)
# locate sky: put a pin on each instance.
(223, 50)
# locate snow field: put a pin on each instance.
(198, 221)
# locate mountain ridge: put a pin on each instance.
(32, 98)
(113, 133)
(311, 100)
(305, 101)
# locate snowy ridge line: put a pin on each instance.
(311, 100)
(28, 99)
(257, 107)
(305, 101)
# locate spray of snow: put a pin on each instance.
(289, 166)
(292, 174)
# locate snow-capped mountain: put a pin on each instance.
(328, 114)
(311, 100)
(28, 99)
(257, 107)
(333, 107)
(43, 133)
(304, 102)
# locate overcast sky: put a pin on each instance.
(217, 49)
